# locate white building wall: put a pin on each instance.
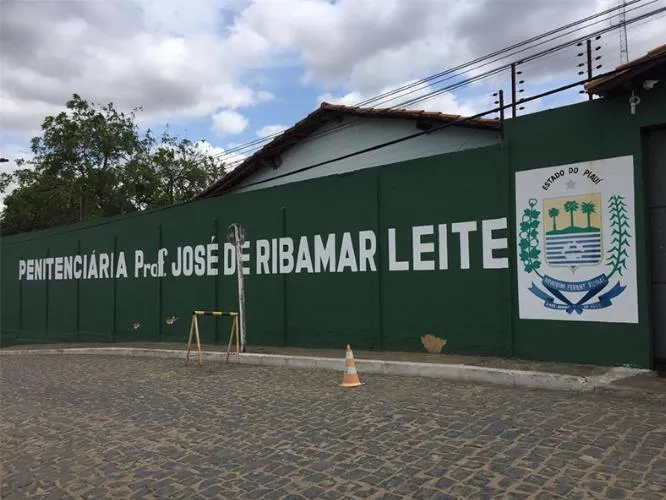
(360, 134)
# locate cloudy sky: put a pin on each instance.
(231, 71)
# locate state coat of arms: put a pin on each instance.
(575, 242)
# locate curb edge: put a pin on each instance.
(454, 372)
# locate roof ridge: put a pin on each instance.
(413, 113)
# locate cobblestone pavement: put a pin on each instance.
(113, 427)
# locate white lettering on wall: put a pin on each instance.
(420, 248)
(324, 254)
(78, 267)
(229, 259)
(286, 255)
(161, 258)
(31, 270)
(490, 244)
(92, 270)
(200, 260)
(263, 256)
(463, 229)
(59, 267)
(347, 255)
(394, 264)
(367, 247)
(39, 270)
(443, 247)
(69, 262)
(176, 265)
(332, 253)
(188, 261)
(138, 263)
(121, 270)
(49, 264)
(274, 260)
(303, 259)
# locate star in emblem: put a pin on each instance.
(570, 184)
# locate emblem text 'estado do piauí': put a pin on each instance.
(575, 238)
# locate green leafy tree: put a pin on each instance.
(171, 172)
(91, 161)
(588, 208)
(553, 213)
(571, 207)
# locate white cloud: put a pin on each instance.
(231, 159)
(269, 130)
(182, 60)
(368, 45)
(208, 149)
(229, 123)
(226, 154)
(170, 58)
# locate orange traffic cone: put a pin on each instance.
(350, 378)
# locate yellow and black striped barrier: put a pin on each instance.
(194, 333)
(214, 313)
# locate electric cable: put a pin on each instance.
(491, 72)
(360, 152)
(434, 129)
(430, 78)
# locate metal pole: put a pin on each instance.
(501, 103)
(513, 90)
(589, 65)
(241, 287)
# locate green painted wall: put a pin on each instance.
(600, 129)
(372, 309)
(472, 307)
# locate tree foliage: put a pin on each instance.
(91, 161)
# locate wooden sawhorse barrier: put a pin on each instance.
(194, 332)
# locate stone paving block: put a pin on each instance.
(118, 427)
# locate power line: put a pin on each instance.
(633, 20)
(550, 50)
(434, 129)
(531, 57)
(78, 227)
(506, 49)
(464, 66)
(366, 150)
(498, 69)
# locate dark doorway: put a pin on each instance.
(655, 141)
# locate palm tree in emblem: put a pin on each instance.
(588, 208)
(571, 207)
(553, 213)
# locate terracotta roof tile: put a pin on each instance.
(409, 113)
(624, 71)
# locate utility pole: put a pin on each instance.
(237, 238)
(588, 45)
(513, 90)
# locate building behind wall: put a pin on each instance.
(337, 131)
(480, 245)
